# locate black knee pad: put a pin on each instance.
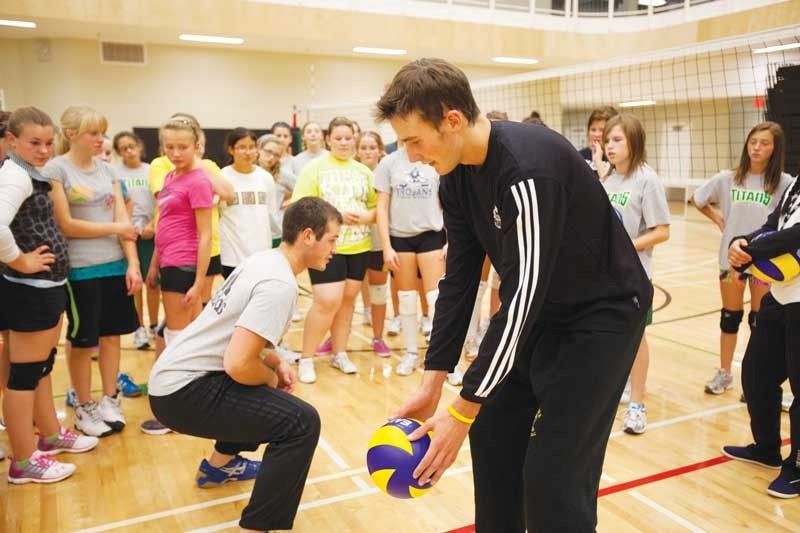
(752, 320)
(729, 320)
(26, 376)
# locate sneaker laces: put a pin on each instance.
(93, 412)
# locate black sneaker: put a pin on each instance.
(154, 427)
(751, 454)
(786, 485)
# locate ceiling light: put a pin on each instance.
(516, 60)
(210, 39)
(380, 51)
(17, 23)
(776, 48)
(638, 103)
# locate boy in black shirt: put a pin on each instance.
(573, 303)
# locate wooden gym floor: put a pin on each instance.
(672, 478)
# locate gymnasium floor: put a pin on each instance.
(672, 478)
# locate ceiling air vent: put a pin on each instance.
(122, 53)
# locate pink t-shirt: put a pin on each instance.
(176, 235)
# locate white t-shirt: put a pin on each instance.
(244, 222)
(259, 295)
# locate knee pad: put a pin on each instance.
(170, 334)
(431, 297)
(377, 294)
(408, 302)
(729, 320)
(26, 376)
(752, 320)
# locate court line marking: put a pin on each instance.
(666, 512)
(684, 418)
(335, 457)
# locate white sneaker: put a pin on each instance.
(40, 469)
(471, 348)
(635, 420)
(722, 381)
(367, 320)
(286, 354)
(140, 339)
(455, 378)
(296, 316)
(626, 392)
(394, 327)
(305, 370)
(343, 363)
(426, 326)
(786, 402)
(89, 421)
(407, 366)
(111, 412)
(2, 454)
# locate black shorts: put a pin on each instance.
(177, 279)
(27, 309)
(375, 262)
(214, 266)
(341, 267)
(419, 244)
(99, 307)
(227, 271)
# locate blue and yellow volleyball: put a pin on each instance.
(778, 269)
(392, 458)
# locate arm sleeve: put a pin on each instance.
(158, 172)
(655, 209)
(383, 176)
(372, 195)
(457, 288)
(533, 217)
(708, 192)
(778, 243)
(307, 184)
(201, 195)
(14, 189)
(269, 310)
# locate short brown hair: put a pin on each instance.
(27, 115)
(308, 212)
(634, 135)
(601, 114)
(430, 87)
(774, 170)
(497, 115)
(339, 121)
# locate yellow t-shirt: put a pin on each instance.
(348, 185)
(159, 168)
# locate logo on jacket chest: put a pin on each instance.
(497, 220)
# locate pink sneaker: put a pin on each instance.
(67, 441)
(381, 350)
(326, 347)
(40, 469)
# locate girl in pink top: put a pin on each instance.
(183, 236)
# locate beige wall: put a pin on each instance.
(223, 87)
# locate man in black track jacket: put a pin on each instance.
(573, 303)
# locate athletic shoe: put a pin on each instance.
(286, 354)
(343, 363)
(635, 420)
(722, 381)
(111, 412)
(237, 469)
(394, 327)
(89, 422)
(367, 319)
(2, 425)
(305, 370)
(326, 347)
(786, 402)
(127, 387)
(72, 398)
(140, 339)
(2, 454)
(455, 378)
(152, 332)
(471, 348)
(786, 485)
(426, 326)
(381, 350)
(751, 454)
(154, 427)
(40, 469)
(407, 366)
(626, 392)
(296, 316)
(68, 442)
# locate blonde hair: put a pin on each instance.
(78, 119)
(181, 122)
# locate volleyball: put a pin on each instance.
(392, 458)
(778, 269)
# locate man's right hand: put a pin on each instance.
(423, 404)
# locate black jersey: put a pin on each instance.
(563, 257)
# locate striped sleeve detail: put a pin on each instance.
(528, 237)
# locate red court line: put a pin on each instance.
(660, 476)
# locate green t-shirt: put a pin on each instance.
(348, 185)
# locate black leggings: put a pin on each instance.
(772, 355)
(240, 418)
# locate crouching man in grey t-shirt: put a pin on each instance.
(213, 380)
